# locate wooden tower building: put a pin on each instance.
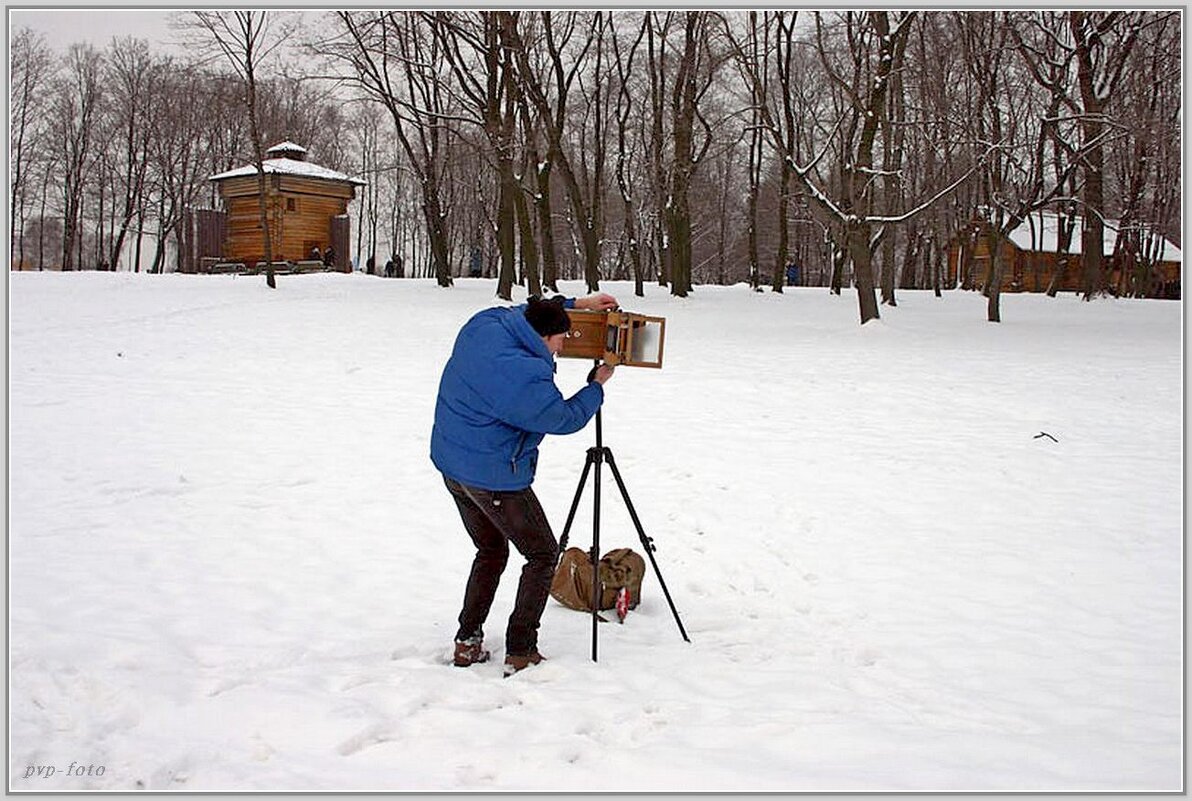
(307, 206)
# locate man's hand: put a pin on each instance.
(597, 301)
(603, 373)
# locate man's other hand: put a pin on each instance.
(597, 301)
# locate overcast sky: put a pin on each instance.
(65, 26)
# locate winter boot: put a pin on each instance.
(470, 652)
(518, 662)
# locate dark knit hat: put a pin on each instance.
(548, 317)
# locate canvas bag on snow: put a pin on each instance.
(572, 584)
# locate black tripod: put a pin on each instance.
(597, 456)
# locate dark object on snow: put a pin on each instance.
(1045, 434)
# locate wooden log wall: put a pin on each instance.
(300, 214)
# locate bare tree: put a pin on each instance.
(1097, 45)
(365, 136)
(247, 40)
(875, 48)
(847, 127)
(397, 63)
(693, 78)
(539, 168)
(754, 54)
(894, 129)
(1016, 176)
(938, 87)
(658, 29)
(1102, 41)
(482, 65)
(564, 66)
(193, 105)
(77, 100)
(31, 64)
(784, 69)
(1146, 173)
(131, 74)
(625, 182)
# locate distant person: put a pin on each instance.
(399, 269)
(497, 400)
(315, 255)
(389, 268)
(370, 266)
(329, 258)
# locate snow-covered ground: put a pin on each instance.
(232, 566)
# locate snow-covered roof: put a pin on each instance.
(286, 147)
(284, 166)
(1040, 232)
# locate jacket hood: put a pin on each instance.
(513, 318)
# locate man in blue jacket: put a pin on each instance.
(497, 400)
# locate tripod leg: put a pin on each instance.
(579, 491)
(597, 455)
(647, 543)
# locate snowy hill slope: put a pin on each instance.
(232, 566)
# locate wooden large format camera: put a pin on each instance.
(617, 337)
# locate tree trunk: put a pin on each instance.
(259, 161)
(138, 243)
(780, 258)
(656, 68)
(41, 229)
(529, 248)
(754, 189)
(993, 284)
(935, 253)
(686, 160)
(679, 234)
(1092, 233)
(437, 234)
(889, 269)
(506, 221)
(542, 205)
(1100, 65)
(910, 264)
(858, 247)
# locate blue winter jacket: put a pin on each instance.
(498, 399)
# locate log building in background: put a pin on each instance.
(307, 206)
(1031, 257)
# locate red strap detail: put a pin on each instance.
(622, 604)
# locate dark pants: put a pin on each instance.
(493, 520)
